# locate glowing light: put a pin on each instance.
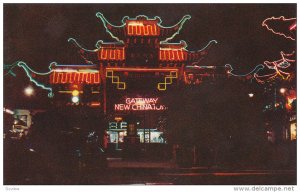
(283, 19)
(118, 119)
(75, 99)
(8, 111)
(251, 95)
(75, 92)
(95, 104)
(289, 102)
(293, 129)
(282, 90)
(29, 91)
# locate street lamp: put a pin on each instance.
(29, 91)
(75, 99)
(282, 90)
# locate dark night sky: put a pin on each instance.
(37, 34)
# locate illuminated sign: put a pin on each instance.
(140, 104)
(115, 126)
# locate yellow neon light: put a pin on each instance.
(75, 92)
(69, 92)
(168, 81)
(115, 80)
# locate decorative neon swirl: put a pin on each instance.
(72, 40)
(105, 22)
(277, 66)
(28, 72)
(180, 24)
(203, 50)
(254, 71)
(10, 69)
(283, 19)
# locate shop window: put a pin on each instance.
(293, 129)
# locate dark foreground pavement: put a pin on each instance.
(164, 173)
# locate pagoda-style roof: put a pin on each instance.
(178, 52)
(114, 51)
(142, 26)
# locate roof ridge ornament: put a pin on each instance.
(207, 46)
(29, 72)
(108, 25)
(74, 42)
(179, 26)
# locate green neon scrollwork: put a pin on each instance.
(28, 70)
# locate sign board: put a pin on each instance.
(140, 104)
(117, 126)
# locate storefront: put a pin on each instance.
(146, 116)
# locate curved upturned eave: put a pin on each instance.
(106, 23)
(202, 52)
(177, 28)
(30, 71)
(88, 55)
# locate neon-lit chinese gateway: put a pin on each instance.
(128, 77)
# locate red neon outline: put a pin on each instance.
(142, 30)
(277, 18)
(141, 69)
(276, 65)
(74, 77)
(293, 27)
